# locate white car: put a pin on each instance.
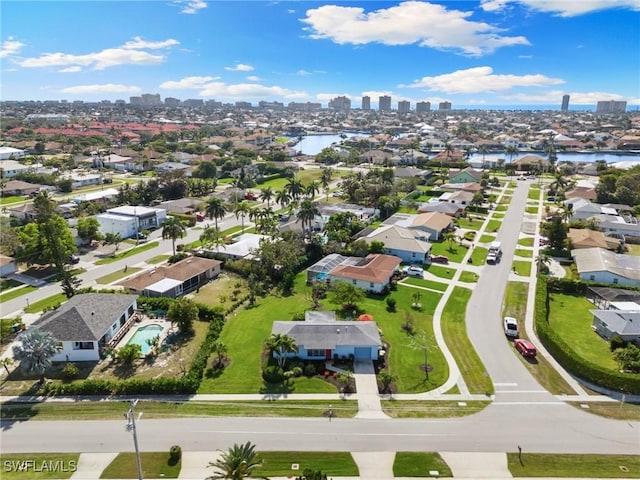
(511, 327)
(413, 271)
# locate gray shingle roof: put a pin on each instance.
(323, 335)
(85, 317)
(619, 321)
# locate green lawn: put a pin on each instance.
(154, 465)
(128, 253)
(526, 242)
(505, 200)
(570, 318)
(11, 199)
(532, 210)
(45, 466)
(574, 465)
(493, 226)
(455, 334)
(441, 271)
(479, 255)
(441, 287)
(112, 277)
(337, 464)
(469, 277)
(225, 288)
(453, 251)
(18, 292)
(633, 249)
(534, 194)
(470, 222)
(522, 267)
(432, 408)
(419, 464)
(521, 252)
(487, 238)
(498, 215)
(158, 259)
(48, 302)
(501, 208)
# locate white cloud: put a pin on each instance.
(241, 91)
(187, 82)
(253, 78)
(70, 70)
(240, 67)
(10, 47)
(109, 57)
(303, 73)
(191, 7)
(139, 44)
(411, 22)
(481, 79)
(104, 88)
(324, 97)
(563, 8)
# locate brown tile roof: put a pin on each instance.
(183, 270)
(376, 268)
(586, 238)
(434, 220)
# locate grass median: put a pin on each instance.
(573, 465)
(127, 253)
(419, 464)
(16, 292)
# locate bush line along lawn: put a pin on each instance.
(64, 464)
(112, 277)
(128, 253)
(418, 464)
(115, 409)
(455, 333)
(573, 465)
(18, 292)
(332, 463)
(48, 302)
(154, 465)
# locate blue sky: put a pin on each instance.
(489, 52)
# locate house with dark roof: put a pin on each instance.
(322, 337)
(173, 280)
(86, 323)
(18, 188)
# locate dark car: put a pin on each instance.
(525, 347)
(140, 236)
(439, 259)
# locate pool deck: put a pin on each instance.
(165, 324)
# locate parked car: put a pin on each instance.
(439, 259)
(140, 236)
(525, 347)
(74, 258)
(413, 271)
(250, 196)
(492, 258)
(511, 327)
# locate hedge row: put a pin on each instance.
(564, 354)
(577, 287)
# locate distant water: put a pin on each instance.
(569, 157)
(314, 144)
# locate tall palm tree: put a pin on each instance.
(312, 189)
(325, 180)
(242, 210)
(307, 213)
(511, 151)
(283, 198)
(266, 194)
(281, 344)
(294, 188)
(483, 150)
(211, 237)
(36, 351)
(173, 228)
(236, 463)
(215, 209)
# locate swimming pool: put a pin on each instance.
(142, 334)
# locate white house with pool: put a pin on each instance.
(87, 323)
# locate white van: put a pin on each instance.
(495, 252)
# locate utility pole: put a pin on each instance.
(131, 427)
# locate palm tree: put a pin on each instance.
(36, 352)
(211, 237)
(242, 210)
(281, 344)
(483, 150)
(511, 151)
(325, 179)
(283, 198)
(450, 238)
(294, 188)
(173, 228)
(215, 209)
(236, 463)
(307, 213)
(311, 189)
(266, 194)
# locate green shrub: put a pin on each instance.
(70, 372)
(616, 342)
(175, 454)
(391, 304)
(273, 374)
(469, 236)
(309, 370)
(129, 353)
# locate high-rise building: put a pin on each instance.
(305, 107)
(423, 107)
(611, 106)
(244, 105)
(444, 106)
(135, 100)
(565, 103)
(193, 102)
(172, 102)
(366, 103)
(340, 103)
(151, 99)
(384, 103)
(404, 106)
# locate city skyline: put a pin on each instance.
(491, 52)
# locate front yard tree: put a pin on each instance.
(182, 313)
(215, 209)
(35, 352)
(347, 295)
(89, 229)
(281, 345)
(173, 228)
(557, 234)
(236, 463)
(113, 239)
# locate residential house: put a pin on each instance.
(605, 297)
(243, 246)
(531, 162)
(19, 188)
(25, 212)
(460, 197)
(450, 209)
(409, 245)
(326, 210)
(433, 223)
(322, 337)
(101, 196)
(582, 209)
(9, 153)
(413, 172)
(586, 193)
(586, 238)
(603, 266)
(372, 273)
(467, 175)
(129, 220)
(173, 280)
(185, 206)
(83, 179)
(85, 324)
(165, 167)
(472, 187)
(623, 323)
(8, 265)
(11, 168)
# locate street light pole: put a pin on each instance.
(131, 427)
